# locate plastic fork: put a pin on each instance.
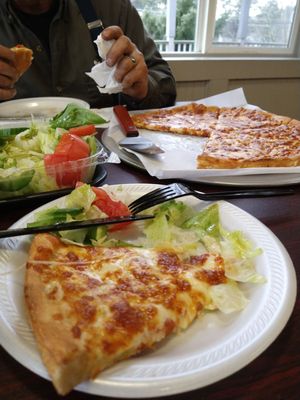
(176, 190)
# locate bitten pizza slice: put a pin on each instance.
(23, 58)
(93, 306)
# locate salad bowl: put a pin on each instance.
(50, 155)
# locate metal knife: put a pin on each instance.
(133, 141)
(66, 226)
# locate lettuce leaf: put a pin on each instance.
(83, 196)
(206, 222)
(165, 230)
(239, 254)
(74, 115)
(228, 297)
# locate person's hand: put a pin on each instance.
(131, 69)
(8, 74)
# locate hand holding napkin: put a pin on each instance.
(101, 73)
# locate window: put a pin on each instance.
(213, 27)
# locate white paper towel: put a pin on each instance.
(101, 73)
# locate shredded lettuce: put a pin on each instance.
(165, 229)
(239, 255)
(228, 297)
(83, 196)
(26, 150)
(206, 222)
(49, 138)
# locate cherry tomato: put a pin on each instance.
(83, 130)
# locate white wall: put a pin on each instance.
(272, 84)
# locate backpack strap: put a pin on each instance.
(94, 24)
(95, 27)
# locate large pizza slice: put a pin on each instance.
(91, 306)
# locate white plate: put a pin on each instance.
(232, 180)
(37, 106)
(213, 347)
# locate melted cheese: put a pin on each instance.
(105, 304)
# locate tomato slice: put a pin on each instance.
(83, 130)
(69, 148)
(113, 208)
(73, 146)
(52, 160)
(62, 176)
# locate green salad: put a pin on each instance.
(49, 156)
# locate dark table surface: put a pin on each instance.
(275, 374)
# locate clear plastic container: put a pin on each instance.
(40, 179)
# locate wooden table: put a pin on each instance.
(274, 375)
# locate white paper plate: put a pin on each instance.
(212, 348)
(37, 106)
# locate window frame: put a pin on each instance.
(204, 33)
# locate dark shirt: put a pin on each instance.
(73, 54)
(39, 24)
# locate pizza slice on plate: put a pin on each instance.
(90, 307)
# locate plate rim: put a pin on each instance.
(41, 99)
(191, 381)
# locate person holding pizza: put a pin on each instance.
(63, 51)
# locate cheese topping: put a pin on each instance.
(122, 295)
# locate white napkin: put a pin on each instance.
(101, 73)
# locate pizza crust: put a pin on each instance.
(66, 365)
(23, 58)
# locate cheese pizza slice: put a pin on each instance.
(190, 119)
(277, 146)
(90, 307)
(246, 118)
